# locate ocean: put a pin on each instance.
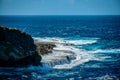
(96, 42)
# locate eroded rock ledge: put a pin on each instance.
(17, 49)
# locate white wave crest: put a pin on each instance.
(65, 42)
(82, 42)
(105, 51)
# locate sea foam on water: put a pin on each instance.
(65, 55)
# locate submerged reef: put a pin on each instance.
(17, 49)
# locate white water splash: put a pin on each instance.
(64, 54)
(81, 57)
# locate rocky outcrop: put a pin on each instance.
(44, 49)
(17, 48)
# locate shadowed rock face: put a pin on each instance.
(17, 48)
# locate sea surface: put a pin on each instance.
(96, 37)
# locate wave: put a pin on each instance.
(82, 42)
(66, 56)
(62, 41)
(81, 57)
(105, 51)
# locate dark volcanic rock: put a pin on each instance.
(17, 48)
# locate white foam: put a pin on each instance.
(45, 40)
(59, 56)
(64, 42)
(82, 42)
(64, 55)
(81, 57)
(105, 51)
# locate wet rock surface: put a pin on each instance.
(44, 49)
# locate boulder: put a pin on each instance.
(17, 48)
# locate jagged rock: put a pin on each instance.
(17, 48)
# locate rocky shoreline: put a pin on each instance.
(17, 49)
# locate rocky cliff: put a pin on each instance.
(17, 48)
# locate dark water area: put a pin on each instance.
(64, 26)
(105, 30)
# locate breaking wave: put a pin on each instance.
(105, 51)
(65, 55)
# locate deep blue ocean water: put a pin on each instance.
(104, 29)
